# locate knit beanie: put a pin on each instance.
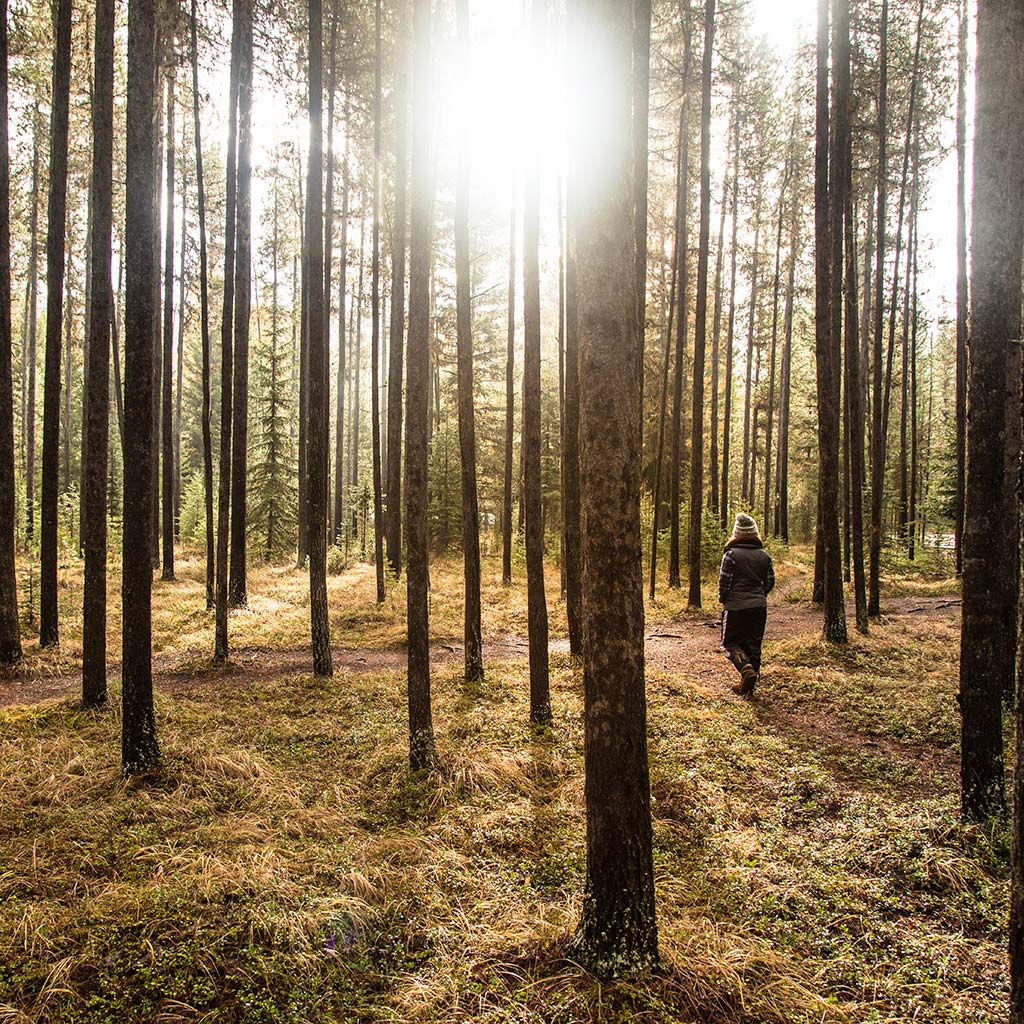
(745, 526)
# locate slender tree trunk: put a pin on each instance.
(167, 381)
(701, 315)
(56, 222)
(877, 433)
(746, 488)
(422, 751)
(319, 414)
(785, 385)
(378, 514)
(65, 427)
(139, 747)
(827, 337)
(997, 236)
(96, 415)
(537, 612)
(682, 315)
(226, 363)
(340, 474)
(357, 366)
(10, 635)
(617, 930)
(397, 324)
(641, 126)
(204, 306)
(659, 461)
(180, 358)
(474, 666)
(302, 516)
(962, 298)
(571, 450)
(510, 398)
(33, 287)
(115, 344)
(157, 243)
(237, 585)
(716, 336)
(727, 408)
(912, 532)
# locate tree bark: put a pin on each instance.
(701, 315)
(378, 513)
(55, 232)
(319, 408)
(10, 634)
(139, 747)
(204, 307)
(617, 930)
(422, 751)
(237, 584)
(340, 469)
(510, 398)
(33, 289)
(167, 376)
(745, 486)
(96, 415)
(716, 337)
(474, 667)
(962, 298)
(226, 359)
(727, 407)
(997, 235)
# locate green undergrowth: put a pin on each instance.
(283, 865)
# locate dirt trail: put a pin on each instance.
(688, 644)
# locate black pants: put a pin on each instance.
(742, 634)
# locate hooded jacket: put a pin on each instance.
(747, 575)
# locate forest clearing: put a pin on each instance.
(283, 865)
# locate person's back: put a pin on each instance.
(746, 579)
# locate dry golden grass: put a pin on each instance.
(284, 866)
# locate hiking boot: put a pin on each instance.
(748, 680)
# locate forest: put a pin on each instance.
(415, 416)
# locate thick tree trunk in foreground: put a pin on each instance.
(319, 414)
(55, 230)
(997, 234)
(97, 411)
(464, 324)
(422, 752)
(204, 307)
(10, 638)
(537, 613)
(237, 586)
(617, 930)
(701, 315)
(139, 748)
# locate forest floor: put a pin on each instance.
(283, 865)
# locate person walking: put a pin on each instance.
(744, 584)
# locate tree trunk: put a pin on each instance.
(33, 288)
(785, 384)
(682, 313)
(659, 461)
(55, 230)
(617, 930)
(727, 407)
(701, 315)
(997, 235)
(180, 358)
(139, 747)
(237, 585)
(226, 361)
(745, 487)
(510, 398)
(378, 513)
(827, 337)
(167, 379)
(319, 407)
(716, 335)
(397, 324)
(537, 611)
(641, 127)
(912, 532)
(464, 316)
(962, 298)
(422, 752)
(10, 636)
(204, 305)
(96, 415)
(340, 473)
(877, 436)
